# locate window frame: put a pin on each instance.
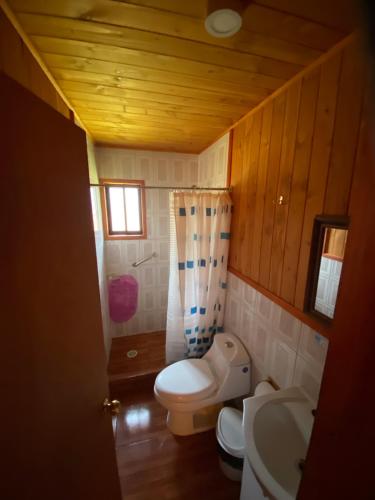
(106, 215)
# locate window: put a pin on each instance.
(124, 209)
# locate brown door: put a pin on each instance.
(57, 443)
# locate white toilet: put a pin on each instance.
(193, 390)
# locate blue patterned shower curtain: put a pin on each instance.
(200, 234)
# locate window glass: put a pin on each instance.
(132, 206)
(117, 208)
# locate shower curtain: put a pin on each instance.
(199, 245)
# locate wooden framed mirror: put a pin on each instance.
(326, 261)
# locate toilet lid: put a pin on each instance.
(187, 380)
(229, 432)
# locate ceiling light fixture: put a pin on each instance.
(223, 17)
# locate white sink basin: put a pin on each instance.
(277, 429)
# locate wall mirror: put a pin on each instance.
(326, 261)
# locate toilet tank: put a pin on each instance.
(226, 351)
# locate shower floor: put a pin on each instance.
(127, 373)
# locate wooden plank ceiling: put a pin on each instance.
(146, 74)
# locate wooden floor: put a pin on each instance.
(156, 465)
(128, 373)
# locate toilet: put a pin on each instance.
(193, 390)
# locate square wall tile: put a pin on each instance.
(163, 251)
(178, 172)
(234, 314)
(148, 300)
(281, 363)
(260, 340)
(246, 325)
(264, 308)
(151, 201)
(132, 251)
(235, 285)
(163, 275)
(306, 376)
(136, 273)
(125, 166)
(113, 252)
(313, 347)
(163, 229)
(286, 326)
(162, 298)
(147, 277)
(147, 247)
(161, 171)
(163, 200)
(145, 169)
(250, 296)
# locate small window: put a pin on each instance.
(124, 209)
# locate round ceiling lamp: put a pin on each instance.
(223, 17)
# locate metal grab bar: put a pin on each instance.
(139, 262)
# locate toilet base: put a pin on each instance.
(188, 423)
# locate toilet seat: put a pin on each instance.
(186, 380)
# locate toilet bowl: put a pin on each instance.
(193, 390)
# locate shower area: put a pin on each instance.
(138, 343)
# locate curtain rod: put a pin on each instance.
(182, 188)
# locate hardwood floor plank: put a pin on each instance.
(153, 463)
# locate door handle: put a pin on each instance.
(114, 406)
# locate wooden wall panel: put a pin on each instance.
(306, 153)
(261, 190)
(236, 182)
(17, 62)
(320, 157)
(252, 159)
(271, 187)
(284, 185)
(305, 130)
(345, 137)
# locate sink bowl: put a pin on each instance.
(277, 429)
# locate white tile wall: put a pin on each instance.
(328, 285)
(213, 164)
(161, 169)
(99, 246)
(280, 346)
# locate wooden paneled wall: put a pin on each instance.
(300, 144)
(17, 62)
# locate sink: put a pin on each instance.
(277, 429)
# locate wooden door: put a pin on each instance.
(340, 462)
(57, 443)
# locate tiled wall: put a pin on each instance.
(328, 285)
(213, 164)
(160, 169)
(99, 246)
(280, 346)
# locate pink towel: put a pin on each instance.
(123, 298)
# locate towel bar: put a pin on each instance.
(141, 261)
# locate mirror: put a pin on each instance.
(326, 261)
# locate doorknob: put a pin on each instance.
(114, 406)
